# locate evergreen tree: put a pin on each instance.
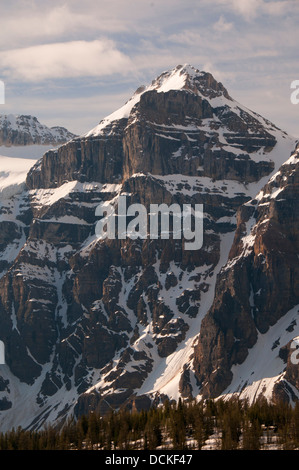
(296, 424)
(177, 426)
(93, 430)
(199, 425)
(153, 431)
(251, 435)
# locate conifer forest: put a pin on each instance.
(206, 425)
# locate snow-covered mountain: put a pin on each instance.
(99, 324)
(21, 130)
(23, 141)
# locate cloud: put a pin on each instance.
(65, 60)
(31, 22)
(247, 44)
(53, 23)
(252, 9)
(247, 8)
(187, 38)
(222, 25)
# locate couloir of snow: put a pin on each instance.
(167, 371)
(263, 367)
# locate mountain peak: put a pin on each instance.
(187, 77)
(182, 77)
(175, 79)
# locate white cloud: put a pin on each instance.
(53, 23)
(247, 8)
(32, 22)
(222, 25)
(65, 60)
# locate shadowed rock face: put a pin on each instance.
(258, 285)
(91, 324)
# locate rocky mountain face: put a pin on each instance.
(92, 323)
(175, 126)
(257, 286)
(20, 130)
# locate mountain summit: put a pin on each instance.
(180, 78)
(184, 122)
(94, 324)
(186, 77)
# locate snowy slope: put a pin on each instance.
(263, 366)
(13, 173)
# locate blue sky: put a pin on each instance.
(71, 63)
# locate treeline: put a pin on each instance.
(211, 424)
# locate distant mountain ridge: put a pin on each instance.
(22, 130)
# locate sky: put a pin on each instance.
(73, 62)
